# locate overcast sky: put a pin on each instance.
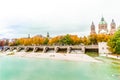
(21, 17)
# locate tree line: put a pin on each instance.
(113, 41)
(59, 40)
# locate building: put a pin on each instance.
(113, 27)
(48, 35)
(103, 27)
(93, 29)
(103, 48)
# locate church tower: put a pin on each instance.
(102, 27)
(113, 27)
(93, 29)
(28, 35)
(48, 35)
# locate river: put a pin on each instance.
(18, 68)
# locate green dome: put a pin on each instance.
(102, 21)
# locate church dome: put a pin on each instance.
(102, 21)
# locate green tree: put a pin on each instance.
(66, 40)
(114, 43)
(46, 40)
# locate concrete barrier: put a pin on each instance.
(52, 49)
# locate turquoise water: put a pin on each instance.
(13, 68)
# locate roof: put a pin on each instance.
(102, 21)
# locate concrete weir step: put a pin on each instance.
(51, 49)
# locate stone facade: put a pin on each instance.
(103, 48)
(113, 27)
(93, 29)
(103, 28)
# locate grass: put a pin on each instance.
(92, 54)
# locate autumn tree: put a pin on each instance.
(114, 43)
(76, 40)
(93, 38)
(55, 40)
(103, 37)
(37, 40)
(85, 40)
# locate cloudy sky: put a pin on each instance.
(21, 17)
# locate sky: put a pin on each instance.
(18, 18)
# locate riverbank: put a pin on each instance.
(111, 56)
(56, 56)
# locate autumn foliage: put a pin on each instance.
(61, 40)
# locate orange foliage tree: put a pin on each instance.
(92, 39)
(103, 37)
(61, 40)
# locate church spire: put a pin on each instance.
(113, 27)
(92, 28)
(102, 19)
(92, 23)
(113, 21)
(48, 35)
(28, 35)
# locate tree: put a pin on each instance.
(93, 38)
(76, 40)
(46, 40)
(66, 40)
(103, 37)
(27, 41)
(37, 40)
(85, 40)
(114, 43)
(54, 40)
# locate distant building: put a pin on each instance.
(28, 35)
(103, 48)
(48, 35)
(93, 29)
(103, 27)
(113, 27)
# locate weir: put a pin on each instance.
(13, 48)
(91, 49)
(45, 49)
(29, 49)
(53, 49)
(62, 50)
(20, 49)
(76, 50)
(6, 49)
(38, 49)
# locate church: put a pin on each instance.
(103, 27)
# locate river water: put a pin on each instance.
(16, 68)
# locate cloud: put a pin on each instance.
(21, 17)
